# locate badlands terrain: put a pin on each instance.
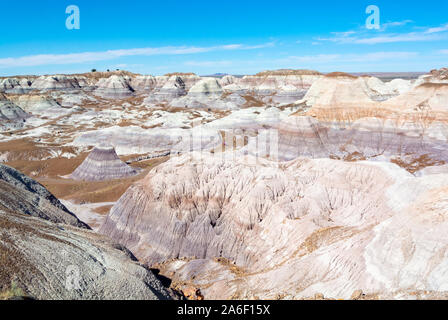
(287, 184)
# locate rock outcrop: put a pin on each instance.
(135, 140)
(10, 111)
(46, 261)
(340, 118)
(208, 93)
(24, 195)
(58, 82)
(174, 87)
(339, 89)
(15, 85)
(143, 83)
(284, 86)
(102, 164)
(298, 228)
(114, 87)
(47, 253)
(40, 104)
(207, 87)
(11, 116)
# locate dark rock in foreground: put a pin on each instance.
(49, 261)
(22, 194)
(46, 252)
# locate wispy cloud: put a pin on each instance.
(393, 24)
(208, 63)
(362, 36)
(73, 58)
(362, 57)
(437, 29)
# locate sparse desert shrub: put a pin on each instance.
(13, 291)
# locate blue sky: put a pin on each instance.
(237, 37)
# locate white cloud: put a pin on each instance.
(72, 58)
(344, 34)
(361, 37)
(387, 25)
(410, 37)
(208, 63)
(437, 29)
(362, 57)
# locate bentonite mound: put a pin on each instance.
(114, 87)
(102, 164)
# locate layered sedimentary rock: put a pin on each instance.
(58, 82)
(281, 86)
(429, 98)
(367, 138)
(207, 86)
(40, 104)
(208, 93)
(434, 76)
(228, 80)
(172, 88)
(15, 85)
(135, 140)
(48, 261)
(11, 116)
(294, 229)
(339, 89)
(48, 253)
(143, 83)
(367, 94)
(115, 86)
(102, 164)
(189, 79)
(10, 111)
(361, 179)
(24, 195)
(341, 119)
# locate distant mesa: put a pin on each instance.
(103, 164)
(340, 74)
(180, 74)
(289, 72)
(99, 75)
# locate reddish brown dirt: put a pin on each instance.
(49, 173)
